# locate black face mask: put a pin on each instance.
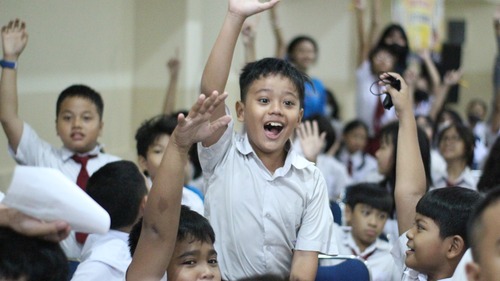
(398, 50)
(473, 119)
(420, 96)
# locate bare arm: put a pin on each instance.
(431, 68)
(363, 45)
(14, 39)
(280, 50)
(161, 216)
(216, 70)
(248, 36)
(410, 174)
(451, 78)
(304, 266)
(375, 23)
(173, 65)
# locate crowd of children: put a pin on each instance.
(414, 207)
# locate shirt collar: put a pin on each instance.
(66, 153)
(349, 242)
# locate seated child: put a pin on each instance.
(152, 138)
(366, 211)
(119, 188)
(157, 246)
(432, 226)
(194, 232)
(484, 234)
(257, 180)
(79, 112)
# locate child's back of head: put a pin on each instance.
(120, 188)
(272, 67)
(30, 258)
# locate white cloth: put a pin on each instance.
(438, 166)
(366, 102)
(460, 274)
(335, 174)
(189, 198)
(363, 164)
(259, 217)
(466, 179)
(104, 257)
(34, 151)
(379, 260)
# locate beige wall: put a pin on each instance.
(120, 48)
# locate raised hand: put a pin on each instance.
(246, 8)
(401, 99)
(311, 141)
(196, 127)
(174, 64)
(14, 39)
(452, 77)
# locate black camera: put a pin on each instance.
(396, 84)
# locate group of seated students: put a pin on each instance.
(266, 192)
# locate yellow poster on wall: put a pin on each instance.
(423, 21)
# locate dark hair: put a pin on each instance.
(265, 277)
(402, 52)
(449, 208)
(475, 226)
(324, 125)
(151, 129)
(389, 133)
(489, 177)
(191, 226)
(119, 187)
(296, 41)
(354, 124)
(466, 136)
(30, 258)
(370, 194)
(84, 92)
(377, 49)
(269, 67)
(332, 102)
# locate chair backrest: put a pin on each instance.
(336, 208)
(72, 265)
(342, 268)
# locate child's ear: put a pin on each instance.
(142, 206)
(473, 271)
(240, 111)
(456, 247)
(301, 114)
(101, 125)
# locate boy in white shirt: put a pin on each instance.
(268, 206)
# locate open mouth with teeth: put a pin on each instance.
(273, 128)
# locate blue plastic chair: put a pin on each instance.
(72, 265)
(349, 268)
(336, 208)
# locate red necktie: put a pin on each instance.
(83, 175)
(377, 119)
(81, 181)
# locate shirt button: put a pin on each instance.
(268, 215)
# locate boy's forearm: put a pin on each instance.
(9, 118)
(216, 70)
(304, 266)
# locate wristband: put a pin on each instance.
(8, 64)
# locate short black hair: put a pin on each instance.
(30, 258)
(475, 226)
(466, 136)
(450, 208)
(151, 129)
(119, 187)
(354, 124)
(324, 125)
(371, 194)
(272, 67)
(81, 91)
(489, 177)
(191, 226)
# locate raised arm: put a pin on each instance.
(374, 23)
(173, 65)
(14, 39)
(280, 50)
(363, 44)
(216, 70)
(451, 78)
(161, 216)
(410, 174)
(248, 35)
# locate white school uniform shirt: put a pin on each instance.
(379, 259)
(259, 217)
(189, 198)
(363, 164)
(34, 151)
(466, 179)
(104, 257)
(366, 102)
(336, 175)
